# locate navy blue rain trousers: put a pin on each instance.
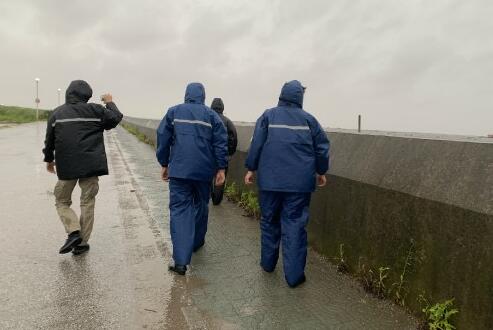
(189, 211)
(284, 218)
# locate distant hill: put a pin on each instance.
(11, 114)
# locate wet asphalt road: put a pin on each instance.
(119, 284)
(122, 283)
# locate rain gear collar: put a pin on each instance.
(195, 93)
(78, 91)
(292, 94)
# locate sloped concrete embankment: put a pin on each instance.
(421, 205)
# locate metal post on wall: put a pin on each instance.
(359, 123)
(59, 90)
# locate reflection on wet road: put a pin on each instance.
(122, 283)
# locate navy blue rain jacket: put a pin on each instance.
(289, 147)
(191, 139)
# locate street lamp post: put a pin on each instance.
(59, 90)
(37, 98)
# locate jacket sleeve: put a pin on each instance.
(49, 149)
(111, 116)
(164, 139)
(321, 145)
(258, 140)
(219, 142)
(232, 138)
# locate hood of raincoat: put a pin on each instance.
(217, 105)
(292, 94)
(78, 91)
(195, 93)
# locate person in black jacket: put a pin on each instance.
(74, 150)
(217, 105)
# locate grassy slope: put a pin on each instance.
(134, 131)
(10, 114)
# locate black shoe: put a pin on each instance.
(179, 269)
(300, 281)
(73, 240)
(80, 249)
(195, 249)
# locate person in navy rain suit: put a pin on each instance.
(192, 148)
(290, 153)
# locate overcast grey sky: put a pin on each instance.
(405, 65)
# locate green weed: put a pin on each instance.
(342, 266)
(247, 200)
(380, 287)
(231, 192)
(438, 316)
(399, 288)
(373, 283)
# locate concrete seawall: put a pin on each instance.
(419, 204)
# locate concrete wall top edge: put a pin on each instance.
(409, 135)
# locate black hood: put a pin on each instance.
(217, 105)
(78, 91)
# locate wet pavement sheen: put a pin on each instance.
(123, 283)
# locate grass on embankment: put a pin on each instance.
(19, 115)
(138, 134)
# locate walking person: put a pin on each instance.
(290, 154)
(217, 192)
(192, 148)
(74, 150)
